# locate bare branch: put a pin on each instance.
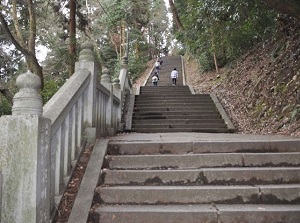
(16, 24)
(31, 41)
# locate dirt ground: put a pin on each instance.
(261, 90)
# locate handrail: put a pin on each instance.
(61, 104)
(50, 139)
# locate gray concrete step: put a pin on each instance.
(143, 195)
(194, 108)
(214, 213)
(202, 145)
(186, 129)
(194, 116)
(182, 121)
(167, 114)
(195, 161)
(174, 103)
(204, 176)
(171, 125)
(171, 96)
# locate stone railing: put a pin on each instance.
(40, 145)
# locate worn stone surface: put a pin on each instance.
(85, 195)
(178, 194)
(259, 213)
(252, 176)
(241, 179)
(25, 165)
(157, 214)
(149, 147)
(165, 161)
(199, 213)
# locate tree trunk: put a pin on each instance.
(34, 66)
(290, 7)
(214, 51)
(26, 46)
(176, 16)
(72, 37)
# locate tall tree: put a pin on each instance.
(22, 31)
(72, 36)
(176, 18)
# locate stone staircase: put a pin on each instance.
(167, 108)
(186, 170)
(213, 180)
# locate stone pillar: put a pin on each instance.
(25, 156)
(124, 63)
(118, 94)
(87, 61)
(123, 77)
(105, 78)
(116, 86)
(106, 82)
(27, 101)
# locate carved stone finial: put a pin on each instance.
(87, 52)
(105, 78)
(124, 62)
(28, 101)
(116, 83)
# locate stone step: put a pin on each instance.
(205, 176)
(170, 96)
(175, 108)
(166, 103)
(178, 101)
(210, 116)
(182, 121)
(235, 145)
(195, 161)
(185, 129)
(167, 98)
(164, 89)
(186, 114)
(220, 213)
(169, 125)
(143, 195)
(166, 93)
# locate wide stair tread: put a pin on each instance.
(170, 112)
(232, 182)
(242, 213)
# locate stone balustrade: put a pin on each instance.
(40, 145)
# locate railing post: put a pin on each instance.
(123, 77)
(106, 81)
(25, 156)
(87, 61)
(118, 94)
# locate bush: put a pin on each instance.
(50, 88)
(5, 107)
(137, 67)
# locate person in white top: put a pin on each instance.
(157, 65)
(174, 76)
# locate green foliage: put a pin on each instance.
(5, 107)
(227, 28)
(50, 88)
(295, 113)
(136, 67)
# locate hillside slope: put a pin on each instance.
(261, 91)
